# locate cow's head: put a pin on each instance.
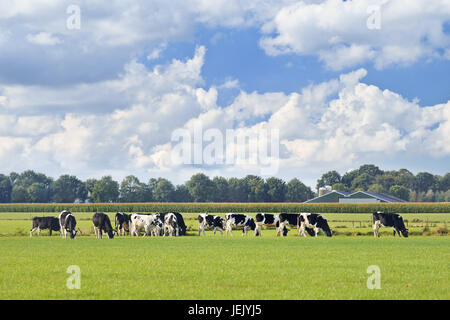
(400, 225)
(111, 234)
(324, 226)
(252, 224)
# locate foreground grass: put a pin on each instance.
(225, 268)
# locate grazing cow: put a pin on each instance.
(122, 221)
(150, 223)
(206, 221)
(291, 219)
(181, 225)
(384, 219)
(313, 221)
(234, 219)
(268, 220)
(67, 223)
(42, 223)
(171, 227)
(102, 223)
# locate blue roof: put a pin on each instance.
(380, 196)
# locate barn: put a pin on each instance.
(335, 196)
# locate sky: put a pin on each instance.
(94, 88)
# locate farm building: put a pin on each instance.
(355, 197)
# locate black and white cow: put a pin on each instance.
(181, 225)
(314, 221)
(122, 221)
(67, 223)
(235, 219)
(171, 227)
(384, 219)
(207, 221)
(150, 223)
(42, 223)
(268, 220)
(102, 224)
(291, 220)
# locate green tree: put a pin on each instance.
(400, 192)
(5, 189)
(66, 189)
(348, 177)
(19, 194)
(328, 179)
(238, 190)
(105, 190)
(131, 190)
(444, 183)
(37, 193)
(257, 189)
(221, 191)
(182, 194)
(200, 188)
(297, 191)
(276, 189)
(163, 191)
(376, 188)
(425, 181)
(340, 187)
(363, 181)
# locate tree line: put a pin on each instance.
(33, 187)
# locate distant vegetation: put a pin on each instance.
(32, 187)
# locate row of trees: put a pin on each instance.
(32, 187)
(402, 183)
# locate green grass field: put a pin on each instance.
(230, 268)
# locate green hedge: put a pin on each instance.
(429, 207)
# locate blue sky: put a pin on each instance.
(105, 99)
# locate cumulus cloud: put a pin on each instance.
(339, 32)
(43, 38)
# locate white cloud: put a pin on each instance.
(43, 38)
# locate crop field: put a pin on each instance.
(228, 268)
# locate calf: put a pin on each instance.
(42, 223)
(268, 220)
(67, 223)
(102, 223)
(384, 219)
(150, 223)
(291, 219)
(206, 221)
(234, 219)
(313, 221)
(122, 221)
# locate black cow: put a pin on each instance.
(314, 221)
(206, 221)
(384, 219)
(234, 219)
(102, 223)
(42, 223)
(268, 219)
(291, 219)
(67, 223)
(122, 221)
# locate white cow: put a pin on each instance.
(149, 223)
(171, 225)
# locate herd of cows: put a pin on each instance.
(172, 224)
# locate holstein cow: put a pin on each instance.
(67, 223)
(206, 221)
(122, 221)
(313, 221)
(102, 224)
(267, 219)
(42, 223)
(291, 219)
(384, 219)
(234, 219)
(171, 227)
(150, 223)
(181, 225)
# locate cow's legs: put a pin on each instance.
(31, 231)
(229, 229)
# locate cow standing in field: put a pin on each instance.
(180, 221)
(122, 221)
(206, 221)
(234, 219)
(267, 219)
(383, 219)
(291, 219)
(67, 223)
(102, 224)
(150, 223)
(313, 221)
(171, 227)
(43, 223)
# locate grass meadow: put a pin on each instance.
(228, 268)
